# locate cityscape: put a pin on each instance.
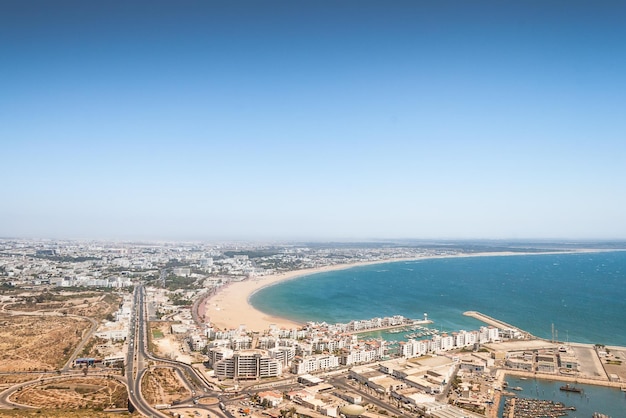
(308, 209)
(114, 327)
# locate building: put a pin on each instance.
(248, 365)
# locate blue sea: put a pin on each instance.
(583, 294)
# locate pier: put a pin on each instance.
(494, 322)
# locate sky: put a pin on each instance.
(313, 120)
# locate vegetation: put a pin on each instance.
(174, 262)
(177, 282)
(254, 253)
(179, 300)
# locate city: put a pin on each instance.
(308, 209)
(113, 327)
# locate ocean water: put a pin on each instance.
(608, 401)
(583, 295)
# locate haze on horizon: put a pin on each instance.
(313, 120)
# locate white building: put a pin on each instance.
(248, 364)
(303, 365)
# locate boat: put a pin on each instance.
(517, 388)
(568, 388)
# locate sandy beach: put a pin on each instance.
(229, 307)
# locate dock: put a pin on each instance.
(494, 322)
(408, 326)
(532, 408)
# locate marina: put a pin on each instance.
(533, 408)
(591, 400)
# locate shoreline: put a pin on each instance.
(230, 307)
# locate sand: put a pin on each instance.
(230, 308)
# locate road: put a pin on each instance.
(138, 357)
(6, 394)
(136, 366)
(87, 337)
(378, 400)
(137, 353)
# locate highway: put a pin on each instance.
(137, 360)
(138, 357)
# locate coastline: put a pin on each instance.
(230, 306)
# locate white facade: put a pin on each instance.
(314, 363)
(248, 364)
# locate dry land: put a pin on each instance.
(95, 305)
(63, 413)
(615, 363)
(29, 343)
(162, 386)
(172, 346)
(74, 393)
(10, 379)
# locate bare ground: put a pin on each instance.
(90, 304)
(162, 386)
(63, 413)
(75, 393)
(38, 342)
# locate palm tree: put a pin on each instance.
(292, 411)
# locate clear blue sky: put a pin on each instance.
(313, 119)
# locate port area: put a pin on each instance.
(410, 326)
(533, 408)
(591, 364)
(496, 323)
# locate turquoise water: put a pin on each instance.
(583, 295)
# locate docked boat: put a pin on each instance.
(569, 388)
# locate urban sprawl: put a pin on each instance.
(137, 317)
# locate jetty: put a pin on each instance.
(494, 322)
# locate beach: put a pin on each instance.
(230, 308)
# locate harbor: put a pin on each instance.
(495, 322)
(533, 408)
(593, 399)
